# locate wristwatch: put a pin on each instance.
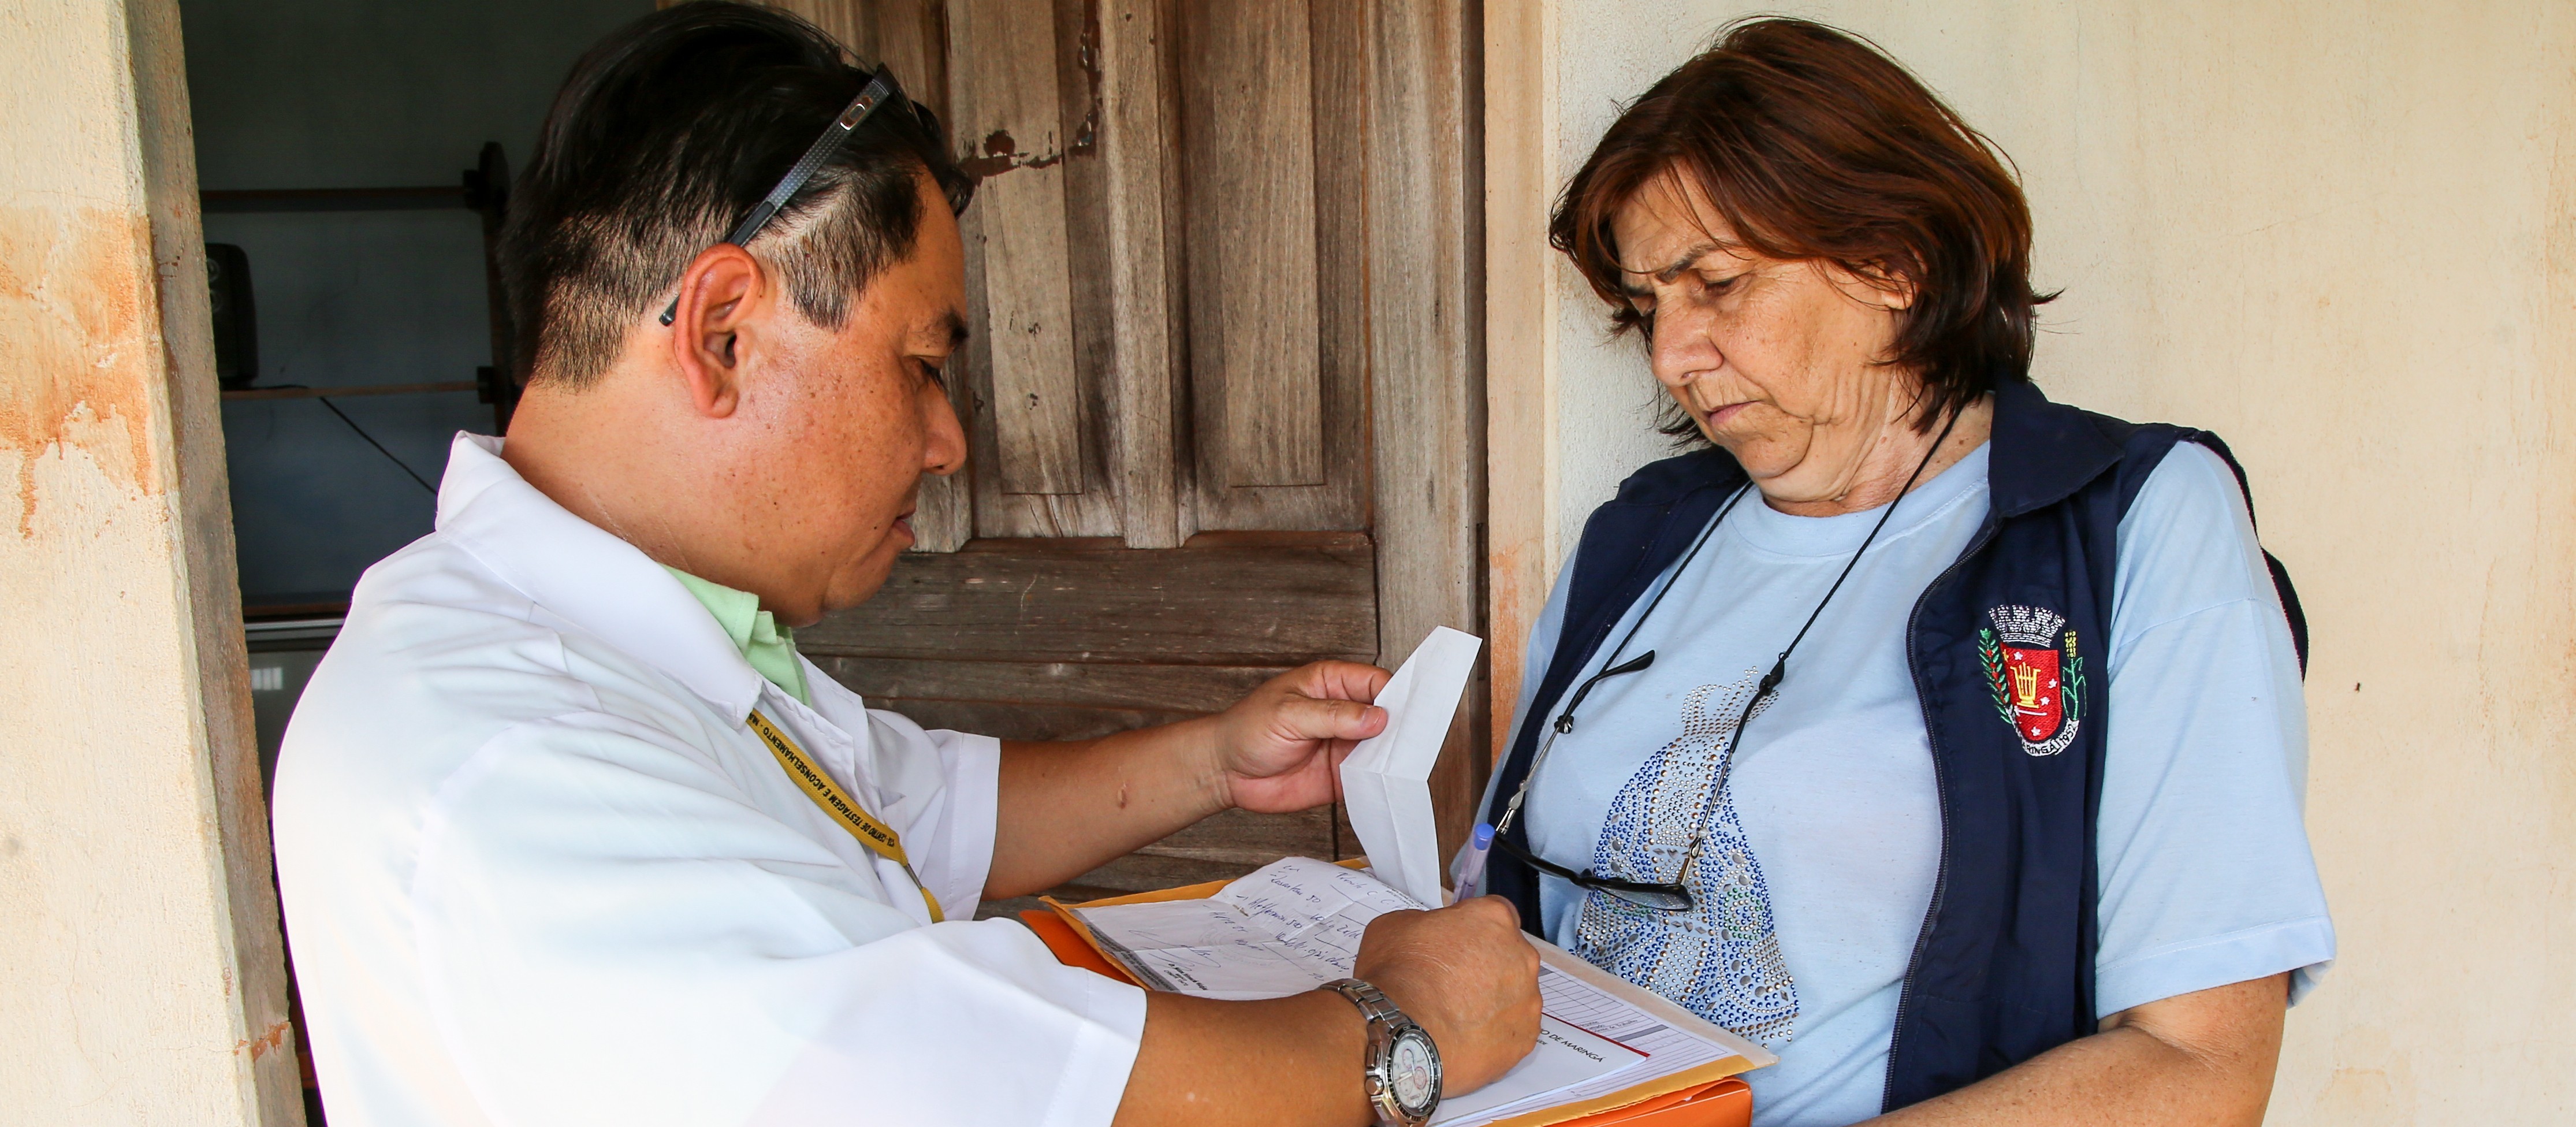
(1403, 1065)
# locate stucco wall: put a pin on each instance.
(140, 973)
(2344, 237)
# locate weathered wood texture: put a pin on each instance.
(1009, 127)
(256, 983)
(1059, 642)
(1249, 110)
(1139, 201)
(1201, 227)
(1220, 602)
(1183, 689)
(1116, 209)
(908, 35)
(1425, 228)
(1044, 700)
(1124, 147)
(1520, 315)
(1221, 848)
(1272, 112)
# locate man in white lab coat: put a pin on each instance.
(568, 833)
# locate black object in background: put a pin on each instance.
(236, 321)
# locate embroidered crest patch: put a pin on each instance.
(2036, 675)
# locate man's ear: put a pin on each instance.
(722, 292)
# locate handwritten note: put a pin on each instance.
(1296, 924)
(1289, 928)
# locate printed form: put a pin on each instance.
(1296, 924)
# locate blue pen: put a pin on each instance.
(1471, 863)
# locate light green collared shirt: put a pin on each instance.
(769, 647)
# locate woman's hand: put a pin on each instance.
(1281, 747)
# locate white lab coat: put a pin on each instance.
(537, 870)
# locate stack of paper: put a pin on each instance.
(1386, 781)
(1286, 929)
(1296, 924)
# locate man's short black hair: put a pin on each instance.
(663, 137)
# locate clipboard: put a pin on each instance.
(1708, 1096)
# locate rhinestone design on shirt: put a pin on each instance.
(1720, 959)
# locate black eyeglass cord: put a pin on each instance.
(1564, 721)
(1780, 668)
(1765, 689)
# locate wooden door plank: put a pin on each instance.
(1249, 112)
(1340, 92)
(1426, 302)
(1190, 689)
(1520, 321)
(1017, 720)
(1134, 134)
(1222, 847)
(1222, 602)
(911, 36)
(1338, 121)
(1009, 130)
(1094, 509)
(907, 35)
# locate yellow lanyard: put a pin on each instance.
(827, 794)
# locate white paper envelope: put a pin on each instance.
(1386, 782)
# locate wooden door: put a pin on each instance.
(1224, 394)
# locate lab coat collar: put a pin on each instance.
(580, 573)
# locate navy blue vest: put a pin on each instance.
(2003, 968)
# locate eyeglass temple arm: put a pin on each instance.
(1563, 723)
(881, 89)
(1591, 880)
(1565, 719)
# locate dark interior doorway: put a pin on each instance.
(326, 132)
(350, 154)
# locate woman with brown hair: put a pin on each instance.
(1947, 740)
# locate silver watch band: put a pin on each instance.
(1385, 1024)
(1371, 1000)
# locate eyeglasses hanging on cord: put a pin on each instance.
(1675, 895)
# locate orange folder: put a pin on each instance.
(1719, 1103)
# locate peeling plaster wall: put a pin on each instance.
(143, 981)
(2344, 237)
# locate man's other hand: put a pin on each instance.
(1466, 975)
(1280, 748)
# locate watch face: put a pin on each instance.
(1414, 1071)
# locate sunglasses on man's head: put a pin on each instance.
(881, 89)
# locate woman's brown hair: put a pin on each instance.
(1814, 145)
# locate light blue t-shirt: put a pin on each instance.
(1819, 855)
